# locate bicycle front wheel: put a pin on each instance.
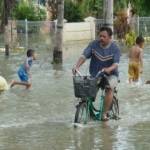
(81, 115)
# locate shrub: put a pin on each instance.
(72, 12)
(24, 10)
(130, 38)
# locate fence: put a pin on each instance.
(40, 34)
(144, 26)
(35, 34)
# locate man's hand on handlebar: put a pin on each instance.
(106, 70)
(103, 72)
(73, 71)
(76, 70)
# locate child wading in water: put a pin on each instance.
(24, 70)
(136, 60)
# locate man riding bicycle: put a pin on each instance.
(104, 56)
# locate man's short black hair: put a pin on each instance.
(107, 29)
(30, 52)
(139, 40)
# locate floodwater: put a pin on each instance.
(42, 118)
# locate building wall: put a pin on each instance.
(79, 31)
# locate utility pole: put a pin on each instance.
(108, 13)
(57, 52)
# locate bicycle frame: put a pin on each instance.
(97, 114)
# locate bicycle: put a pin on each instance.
(85, 89)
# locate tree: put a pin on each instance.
(6, 10)
(43, 2)
(91, 7)
(52, 7)
(57, 52)
(120, 5)
(72, 12)
(29, 11)
(141, 7)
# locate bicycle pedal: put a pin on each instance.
(116, 118)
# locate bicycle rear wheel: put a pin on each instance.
(114, 109)
(81, 115)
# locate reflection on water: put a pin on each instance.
(42, 118)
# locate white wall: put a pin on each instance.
(79, 31)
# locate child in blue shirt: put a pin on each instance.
(24, 70)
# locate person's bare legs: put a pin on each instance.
(130, 80)
(26, 84)
(107, 102)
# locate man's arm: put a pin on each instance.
(141, 61)
(116, 59)
(86, 54)
(80, 61)
(108, 70)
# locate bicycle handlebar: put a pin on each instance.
(101, 73)
(78, 72)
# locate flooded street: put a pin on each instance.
(42, 118)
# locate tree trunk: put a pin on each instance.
(7, 39)
(7, 6)
(108, 13)
(6, 28)
(57, 52)
(6, 50)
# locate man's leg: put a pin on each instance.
(113, 81)
(108, 99)
(107, 103)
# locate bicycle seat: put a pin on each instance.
(100, 74)
(103, 82)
